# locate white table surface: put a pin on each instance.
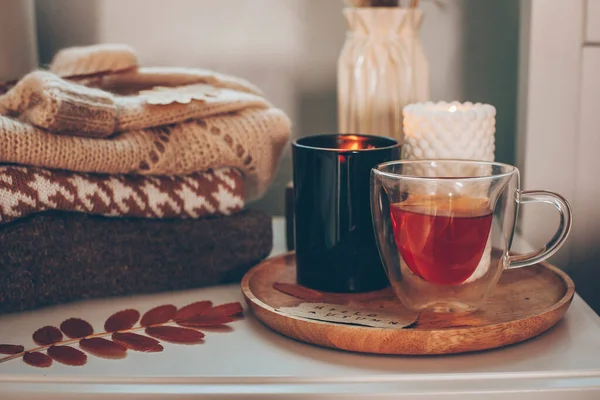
(255, 362)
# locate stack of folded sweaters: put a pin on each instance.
(119, 179)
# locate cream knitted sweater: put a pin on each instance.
(209, 121)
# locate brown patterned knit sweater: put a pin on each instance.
(27, 190)
(210, 121)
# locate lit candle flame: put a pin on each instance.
(355, 143)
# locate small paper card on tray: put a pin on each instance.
(352, 315)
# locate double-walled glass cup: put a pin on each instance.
(444, 229)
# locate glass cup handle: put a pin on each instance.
(564, 227)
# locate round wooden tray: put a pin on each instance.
(525, 303)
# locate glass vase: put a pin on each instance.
(381, 69)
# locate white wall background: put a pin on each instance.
(559, 104)
(18, 47)
(290, 49)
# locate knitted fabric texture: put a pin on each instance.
(115, 67)
(100, 58)
(240, 141)
(27, 190)
(218, 121)
(64, 107)
(56, 257)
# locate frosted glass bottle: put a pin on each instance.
(382, 68)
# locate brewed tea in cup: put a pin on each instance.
(442, 239)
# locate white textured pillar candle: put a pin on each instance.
(449, 130)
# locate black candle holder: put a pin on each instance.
(334, 240)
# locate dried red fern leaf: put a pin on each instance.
(137, 342)
(11, 349)
(192, 310)
(226, 309)
(122, 320)
(197, 314)
(307, 294)
(76, 328)
(47, 335)
(298, 291)
(217, 328)
(101, 347)
(207, 320)
(67, 355)
(175, 334)
(159, 315)
(37, 359)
